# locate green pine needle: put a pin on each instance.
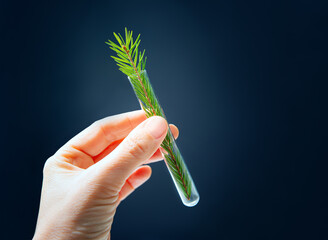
(132, 63)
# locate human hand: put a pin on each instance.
(87, 178)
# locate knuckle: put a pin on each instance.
(48, 165)
(96, 123)
(98, 126)
(136, 148)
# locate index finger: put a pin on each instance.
(98, 136)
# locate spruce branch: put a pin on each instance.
(132, 63)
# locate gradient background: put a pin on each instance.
(243, 80)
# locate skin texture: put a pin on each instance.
(87, 178)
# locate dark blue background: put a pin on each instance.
(243, 80)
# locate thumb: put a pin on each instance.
(134, 150)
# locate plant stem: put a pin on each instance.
(179, 172)
(139, 78)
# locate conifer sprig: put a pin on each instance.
(132, 62)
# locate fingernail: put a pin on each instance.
(156, 126)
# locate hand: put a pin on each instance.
(86, 179)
